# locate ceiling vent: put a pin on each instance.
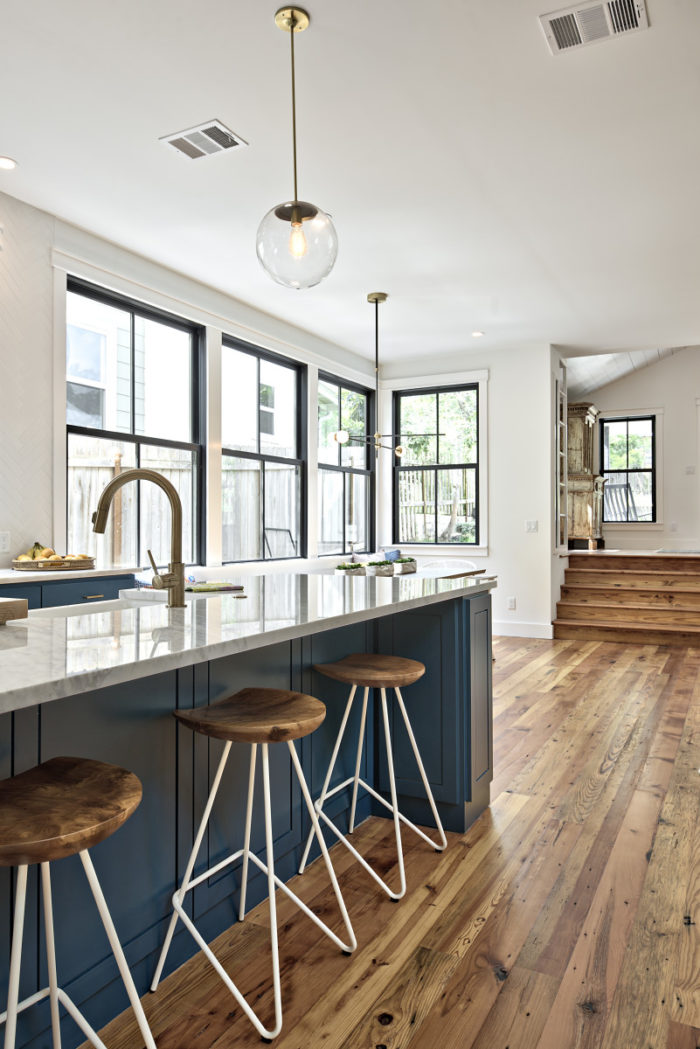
(589, 23)
(204, 140)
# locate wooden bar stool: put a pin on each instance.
(382, 672)
(257, 716)
(61, 807)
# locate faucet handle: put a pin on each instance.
(153, 564)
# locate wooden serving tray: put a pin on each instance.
(12, 608)
(45, 565)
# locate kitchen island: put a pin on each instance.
(103, 682)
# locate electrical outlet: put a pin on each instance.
(531, 526)
(4, 542)
(690, 469)
(510, 604)
(674, 526)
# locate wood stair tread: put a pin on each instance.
(604, 624)
(629, 608)
(639, 589)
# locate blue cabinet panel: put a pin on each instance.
(480, 753)
(77, 591)
(31, 593)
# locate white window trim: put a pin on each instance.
(631, 413)
(385, 473)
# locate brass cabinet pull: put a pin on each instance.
(92, 597)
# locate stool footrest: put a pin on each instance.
(386, 804)
(70, 1007)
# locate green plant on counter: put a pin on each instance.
(377, 564)
(403, 561)
(350, 567)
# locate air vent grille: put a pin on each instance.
(204, 140)
(588, 23)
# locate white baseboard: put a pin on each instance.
(510, 629)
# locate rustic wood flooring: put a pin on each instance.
(566, 916)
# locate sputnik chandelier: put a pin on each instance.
(296, 242)
(375, 439)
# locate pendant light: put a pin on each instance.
(375, 439)
(296, 242)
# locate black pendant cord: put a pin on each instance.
(294, 107)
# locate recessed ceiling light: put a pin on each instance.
(7, 164)
(477, 334)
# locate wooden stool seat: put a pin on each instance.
(373, 671)
(61, 807)
(257, 715)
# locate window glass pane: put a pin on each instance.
(416, 506)
(639, 444)
(328, 422)
(241, 487)
(239, 400)
(85, 405)
(418, 416)
(92, 462)
(356, 511)
(615, 445)
(281, 534)
(456, 506)
(458, 426)
(639, 497)
(162, 380)
(178, 465)
(353, 418)
(330, 506)
(278, 409)
(615, 492)
(98, 355)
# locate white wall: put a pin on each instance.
(26, 375)
(519, 477)
(671, 386)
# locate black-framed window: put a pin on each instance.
(345, 471)
(436, 480)
(263, 476)
(133, 399)
(628, 464)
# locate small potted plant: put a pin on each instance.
(380, 568)
(350, 568)
(405, 565)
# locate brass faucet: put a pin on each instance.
(174, 579)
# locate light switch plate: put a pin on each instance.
(4, 542)
(531, 526)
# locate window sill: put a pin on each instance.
(638, 526)
(446, 549)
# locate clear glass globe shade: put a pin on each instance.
(297, 244)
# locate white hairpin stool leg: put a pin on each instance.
(358, 760)
(273, 903)
(51, 955)
(329, 773)
(16, 957)
(248, 823)
(190, 866)
(117, 950)
(316, 829)
(394, 799)
(421, 769)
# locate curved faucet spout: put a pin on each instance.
(174, 581)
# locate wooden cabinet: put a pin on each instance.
(585, 488)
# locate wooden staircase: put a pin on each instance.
(647, 599)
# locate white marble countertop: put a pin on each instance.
(63, 651)
(11, 575)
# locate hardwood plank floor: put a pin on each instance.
(566, 918)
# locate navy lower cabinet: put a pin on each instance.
(30, 593)
(68, 591)
(142, 863)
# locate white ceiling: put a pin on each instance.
(586, 374)
(481, 181)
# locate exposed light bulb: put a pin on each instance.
(342, 436)
(398, 451)
(297, 241)
(7, 164)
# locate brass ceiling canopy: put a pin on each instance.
(288, 17)
(377, 296)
